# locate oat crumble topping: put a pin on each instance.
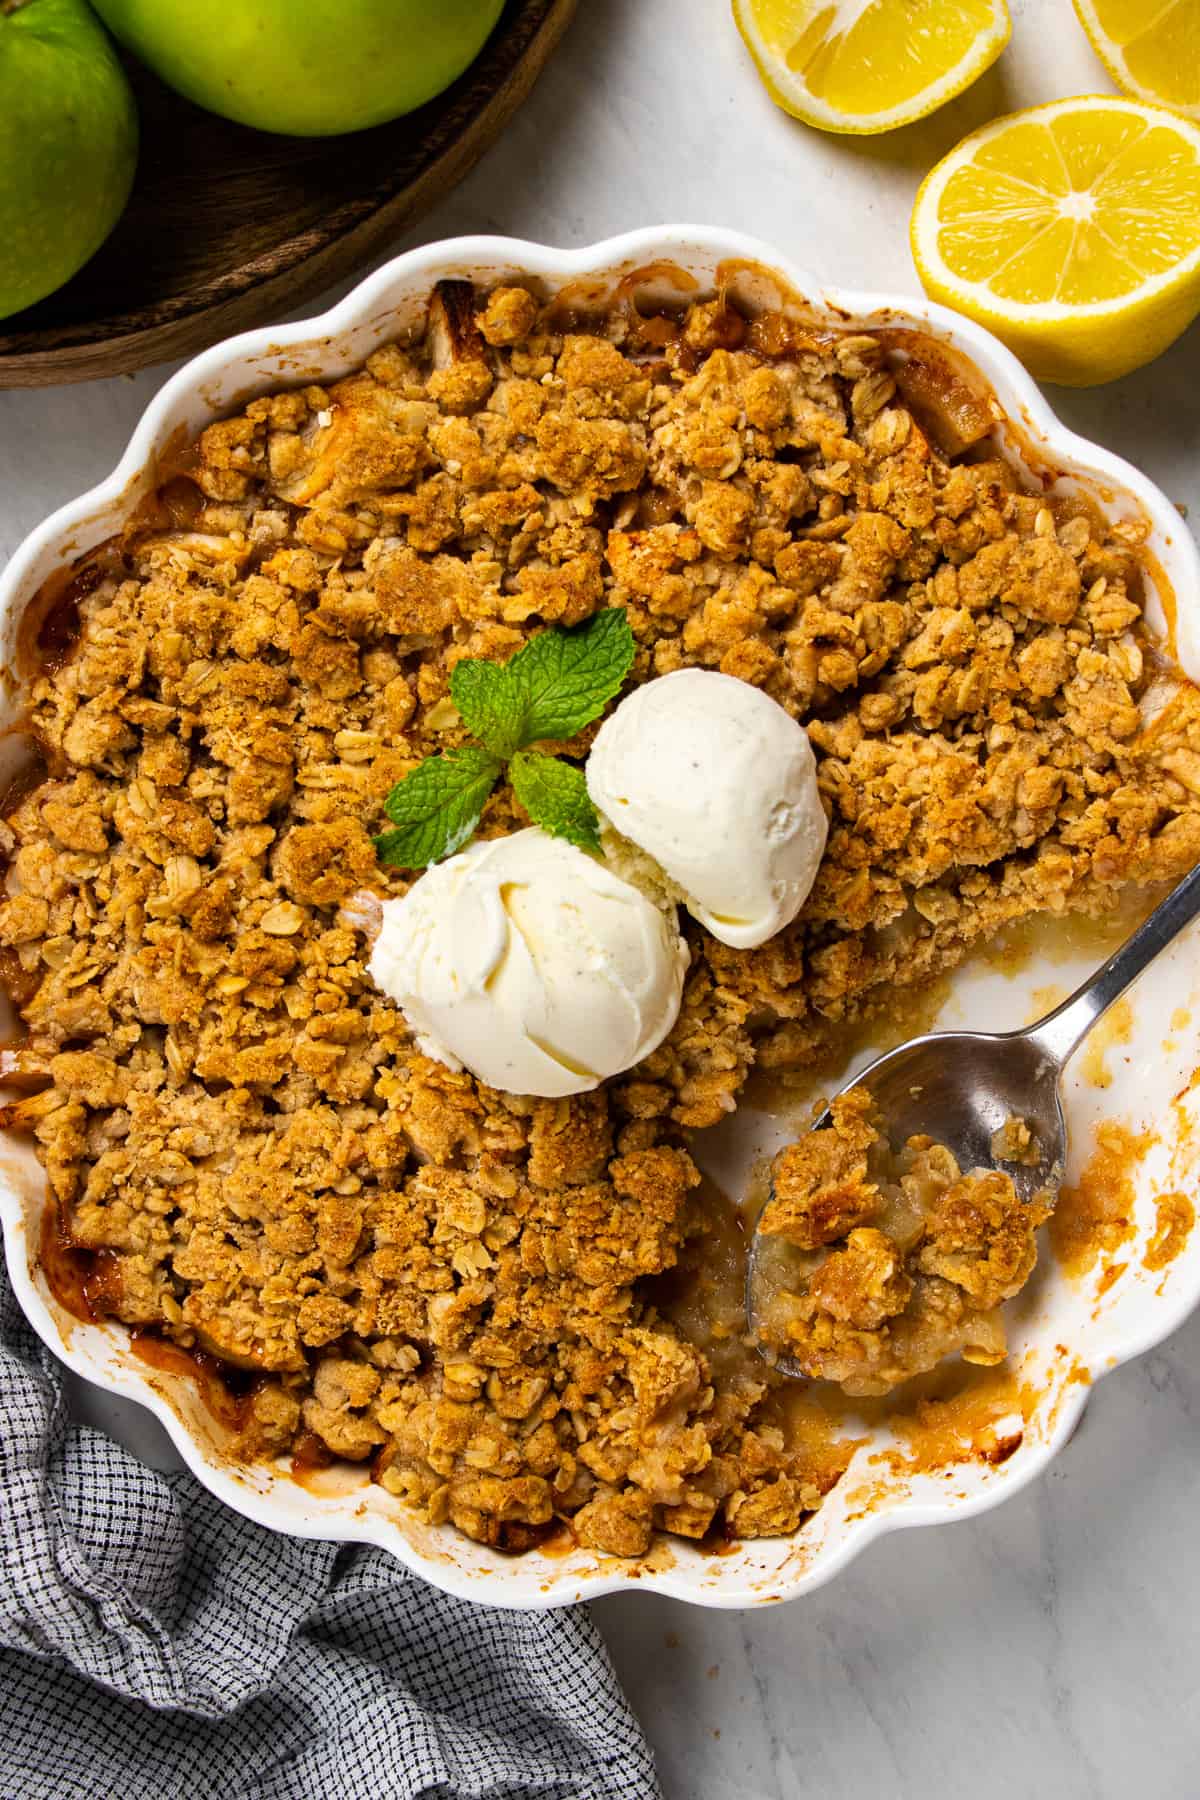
(455, 1284)
(881, 1263)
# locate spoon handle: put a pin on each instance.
(1060, 1031)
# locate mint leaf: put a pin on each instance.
(557, 684)
(437, 807)
(490, 703)
(555, 796)
(565, 679)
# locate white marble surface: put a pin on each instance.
(1051, 1647)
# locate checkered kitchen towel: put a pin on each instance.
(153, 1645)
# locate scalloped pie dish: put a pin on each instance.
(372, 1299)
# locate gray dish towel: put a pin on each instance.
(156, 1646)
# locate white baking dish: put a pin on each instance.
(1063, 1335)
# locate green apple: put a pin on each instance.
(68, 145)
(305, 67)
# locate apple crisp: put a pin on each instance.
(880, 1264)
(457, 1286)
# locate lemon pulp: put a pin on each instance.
(1151, 48)
(1073, 230)
(1081, 209)
(867, 65)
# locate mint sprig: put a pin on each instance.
(556, 684)
(554, 794)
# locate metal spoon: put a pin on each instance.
(961, 1087)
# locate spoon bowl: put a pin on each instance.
(960, 1088)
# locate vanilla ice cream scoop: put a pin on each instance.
(718, 785)
(532, 965)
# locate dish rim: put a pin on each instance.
(78, 524)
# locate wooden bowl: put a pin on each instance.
(227, 225)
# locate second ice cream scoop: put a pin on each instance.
(717, 784)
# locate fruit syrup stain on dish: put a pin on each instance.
(757, 1571)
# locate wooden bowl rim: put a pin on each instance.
(502, 54)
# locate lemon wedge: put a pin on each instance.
(869, 65)
(1072, 231)
(1151, 48)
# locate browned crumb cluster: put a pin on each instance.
(880, 1264)
(452, 1283)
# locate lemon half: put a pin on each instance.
(869, 65)
(1151, 48)
(1072, 231)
